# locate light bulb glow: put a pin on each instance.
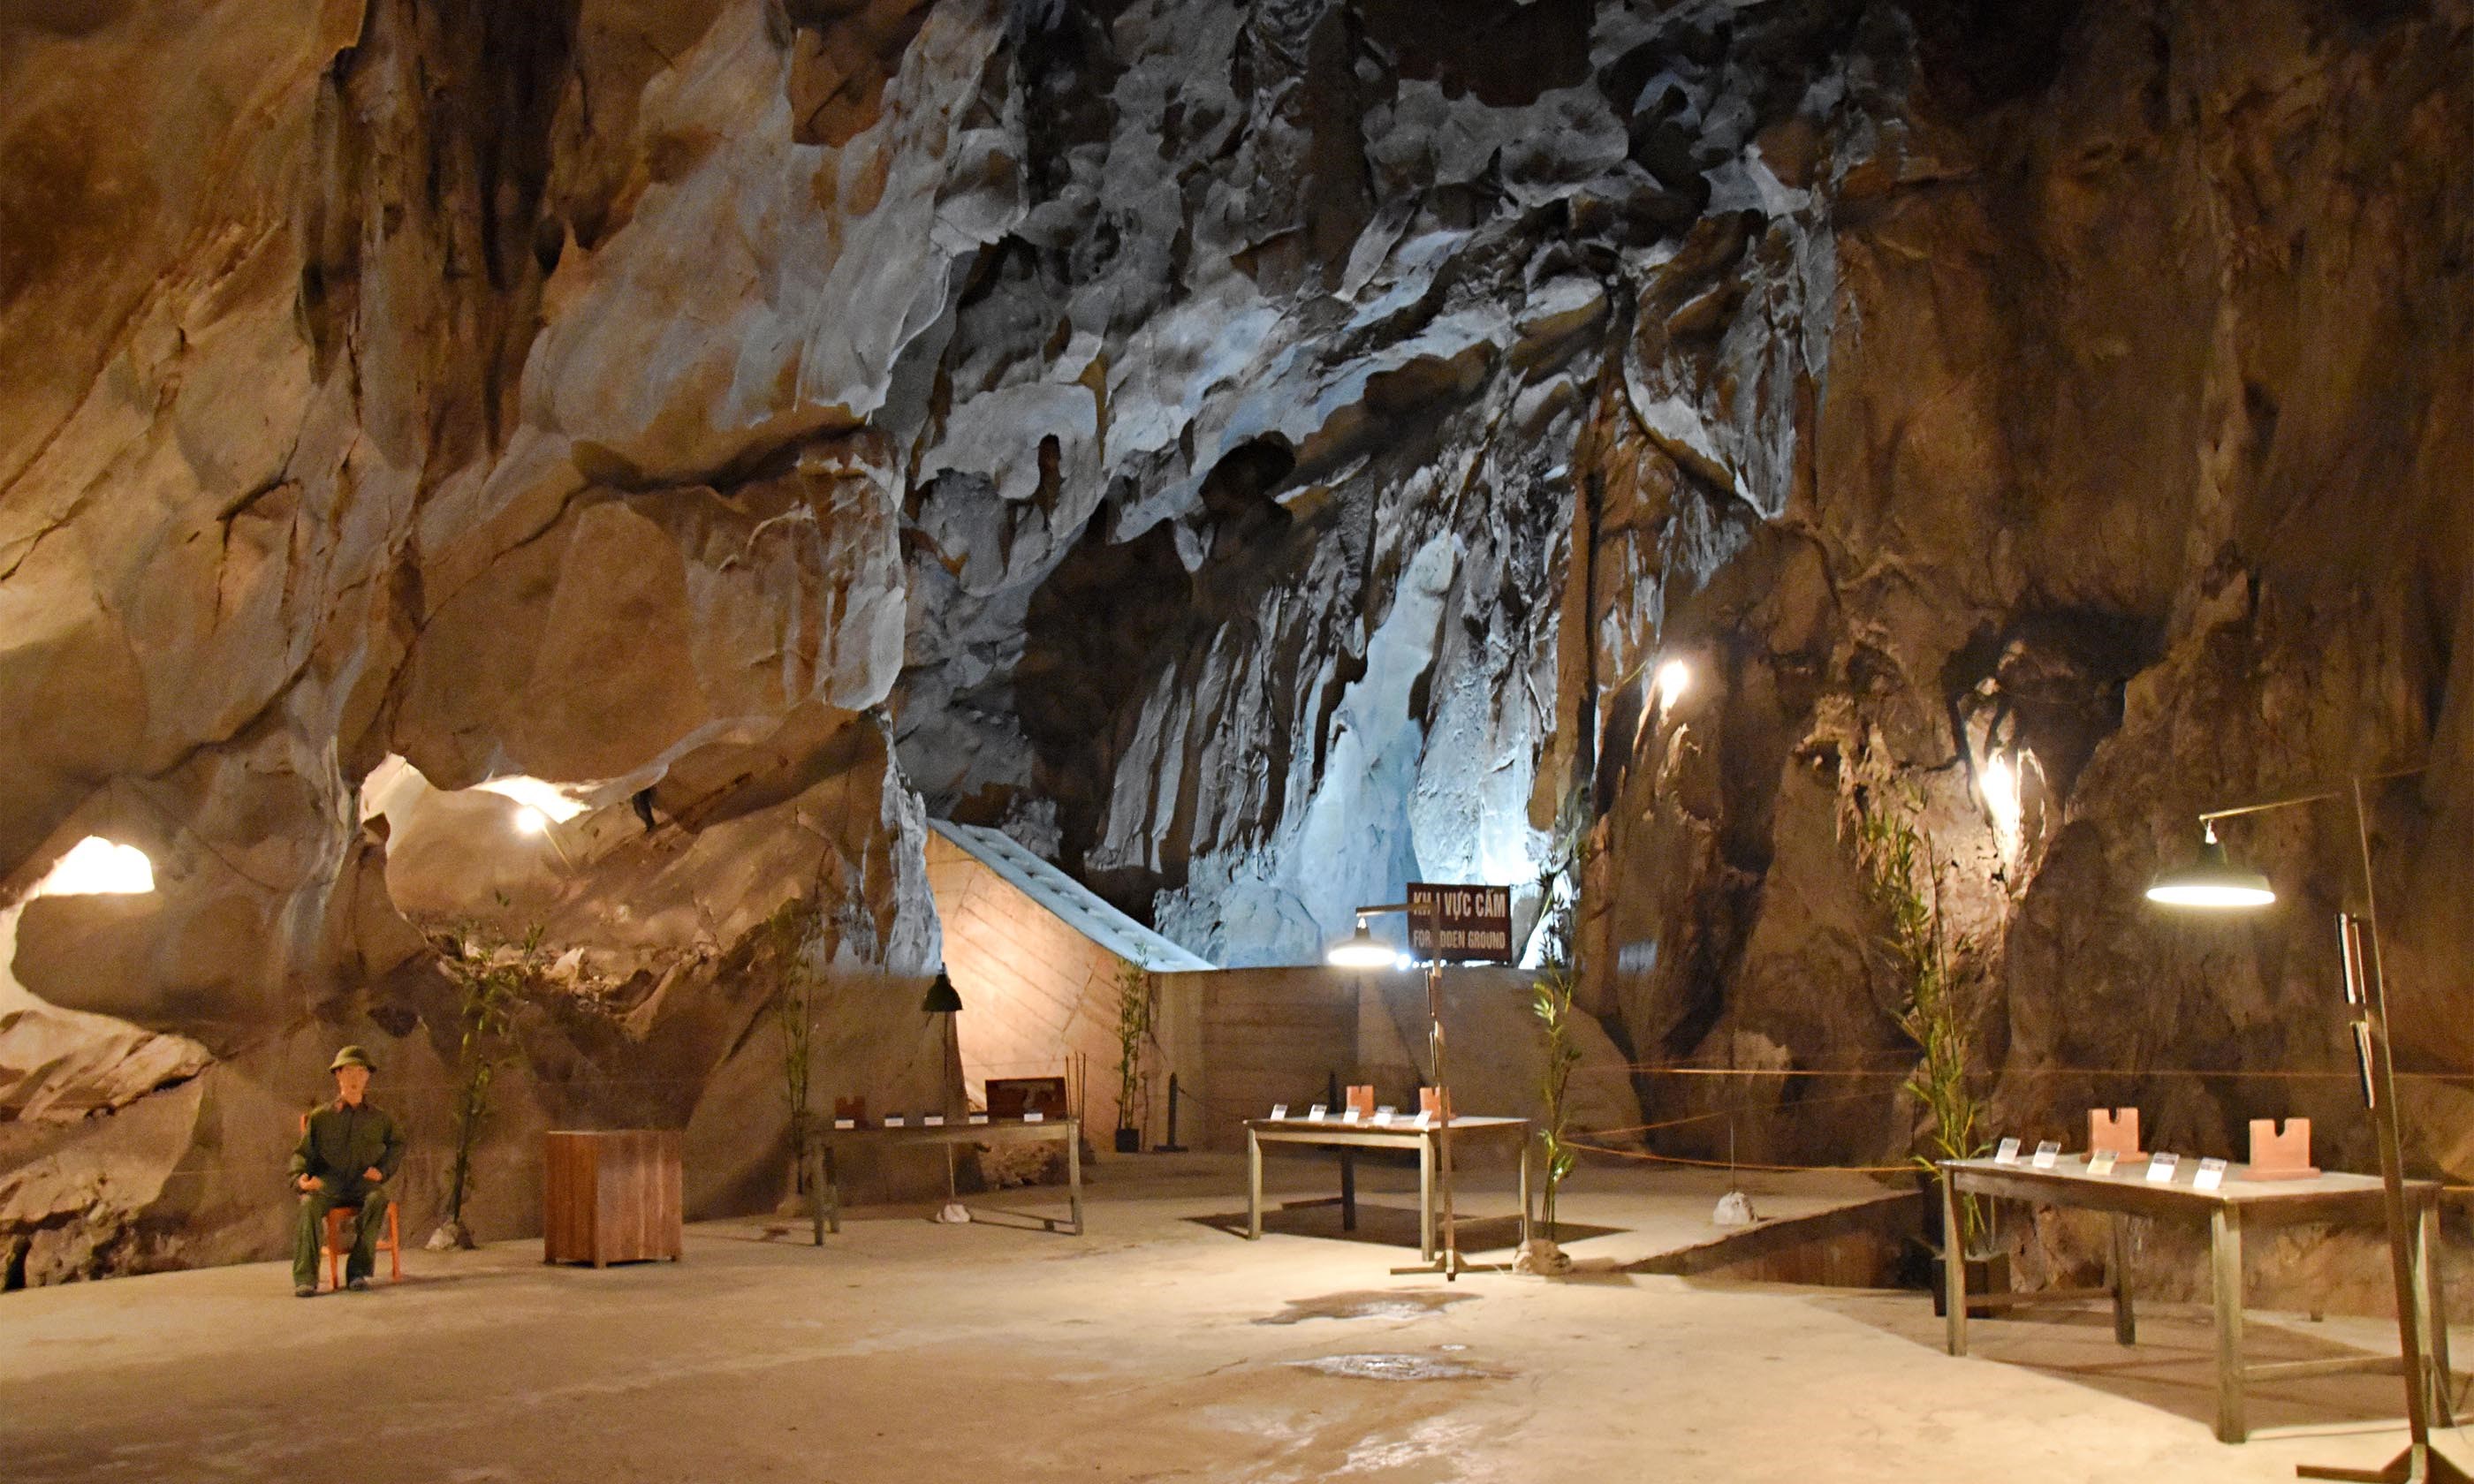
(1360, 950)
(546, 799)
(1674, 679)
(2212, 883)
(95, 867)
(2209, 894)
(531, 821)
(2001, 784)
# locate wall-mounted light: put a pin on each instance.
(95, 867)
(546, 803)
(1674, 679)
(1999, 785)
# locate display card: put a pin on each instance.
(933, 1121)
(893, 1120)
(2160, 1168)
(1383, 1118)
(2211, 1175)
(1279, 1110)
(846, 1123)
(2047, 1153)
(2007, 1153)
(1425, 1119)
(2101, 1161)
(1034, 1117)
(979, 1118)
(1314, 1115)
(1349, 1113)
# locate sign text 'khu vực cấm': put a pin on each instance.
(1459, 924)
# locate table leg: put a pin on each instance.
(1525, 1146)
(1953, 1268)
(2126, 1323)
(2434, 1317)
(815, 1163)
(1253, 1187)
(1074, 1172)
(1349, 1190)
(949, 1196)
(833, 1193)
(2225, 1273)
(1426, 1198)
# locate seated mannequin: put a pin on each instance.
(348, 1152)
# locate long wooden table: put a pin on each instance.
(2227, 1210)
(822, 1142)
(1350, 1138)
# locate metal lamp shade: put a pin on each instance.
(2212, 881)
(1360, 950)
(941, 999)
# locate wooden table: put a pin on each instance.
(2227, 1210)
(1401, 1134)
(950, 1136)
(611, 1195)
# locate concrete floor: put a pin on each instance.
(1159, 1347)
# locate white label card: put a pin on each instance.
(1350, 1116)
(1279, 1110)
(1034, 1117)
(1425, 1119)
(1314, 1115)
(2211, 1175)
(846, 1123)
(933, 1121)
(1382, 1117)
(979, 1118)
(2046, 1154)
(2101, 1161)
(2160, 1168)
(893, 1120)
(2007, 1153)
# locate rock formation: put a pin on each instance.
(1255, 453)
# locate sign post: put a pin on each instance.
(1459, 924)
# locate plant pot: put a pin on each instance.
(1988, 1274)
(1129, 1141)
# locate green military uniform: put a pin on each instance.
(341, 1143)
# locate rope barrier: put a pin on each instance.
(1669, 1070)
(1746, 1164)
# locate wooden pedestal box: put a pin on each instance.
(611, 1196)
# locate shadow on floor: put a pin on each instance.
(1386, 1226)
(2171, 1369)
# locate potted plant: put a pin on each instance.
(1551, 1001)
(786, 937)
(1133, 1027)
(1901, 875)
(488, 979)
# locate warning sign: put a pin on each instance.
(1459, 924)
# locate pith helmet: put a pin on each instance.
(351, 1056)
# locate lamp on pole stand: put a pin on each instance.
(2214, 883)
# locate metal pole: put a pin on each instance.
(2418, 1463)
(1451, 1254)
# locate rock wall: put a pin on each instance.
(1254, 453)
(2129, 463)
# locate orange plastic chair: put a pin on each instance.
(338, 1249)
